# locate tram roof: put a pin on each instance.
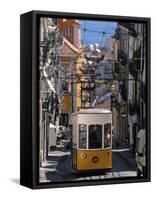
(94, 111)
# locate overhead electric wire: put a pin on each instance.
(84, 33)
(103, 35)
(94, 31)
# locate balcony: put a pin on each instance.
(132, 69)
(87, 86)
(143, 91)
(135, 63)
(123, 90)
(122, 57)
(88, 70)
(137, 58)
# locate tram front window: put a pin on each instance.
(82, 136)
(95, 136)
(107, 135)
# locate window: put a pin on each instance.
(95, 136)
(82, 136)
(68, 31)
(64, 83)
(107, 135)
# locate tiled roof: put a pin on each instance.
(68, 48)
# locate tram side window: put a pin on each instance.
(82, 136)
(95, 136)
(107, 135)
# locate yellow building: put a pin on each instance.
(71, 61)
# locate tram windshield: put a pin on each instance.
(107, 135)
(95, 136)
(82, 136)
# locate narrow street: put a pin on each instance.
(58, 168)
(90, 98)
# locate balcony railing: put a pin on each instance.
(87, 86)
(132, 69)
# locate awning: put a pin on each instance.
(102, 98)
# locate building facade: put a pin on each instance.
(71, 61)
(129, 67)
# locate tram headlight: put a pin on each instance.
(83, 155)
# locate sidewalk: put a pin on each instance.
(126, 154)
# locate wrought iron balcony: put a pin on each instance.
(123, 90)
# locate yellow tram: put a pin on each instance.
(92, 140)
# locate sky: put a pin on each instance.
(92, 31)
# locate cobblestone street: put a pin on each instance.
(58, 167)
